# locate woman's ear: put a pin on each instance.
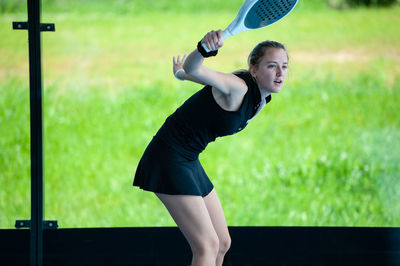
(252, 70)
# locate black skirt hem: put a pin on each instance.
(175, 193)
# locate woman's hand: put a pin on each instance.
(178, 63)
(177, 66)
(213, 40)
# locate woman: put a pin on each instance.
(170, 166)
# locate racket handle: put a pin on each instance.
(225, 35)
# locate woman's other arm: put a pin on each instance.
(180, 73)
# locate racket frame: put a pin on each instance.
(238, 26)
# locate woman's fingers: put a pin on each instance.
(208, 41)
(219, 34)
(213, 40)
(178, 62)
(184, 58)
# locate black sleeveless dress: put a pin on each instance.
(170, 164)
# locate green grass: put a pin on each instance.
(137, 6)
(324, 152)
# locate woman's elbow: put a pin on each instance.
(191, 70)
(188, 69)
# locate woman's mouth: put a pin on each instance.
(278, 82)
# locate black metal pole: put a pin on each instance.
(36, 224)
(35, 73)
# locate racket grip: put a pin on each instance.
(205, 47)
(225, 35)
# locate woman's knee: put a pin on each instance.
(224, 244)
(208, 245)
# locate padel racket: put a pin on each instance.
(257, 14)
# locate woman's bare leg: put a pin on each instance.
(191, 215)
(218, 219)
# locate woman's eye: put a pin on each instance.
(271, 66)
(285, 67)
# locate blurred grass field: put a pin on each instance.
(325, 152)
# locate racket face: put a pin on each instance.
(267, 12)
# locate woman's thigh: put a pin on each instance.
(191, 215)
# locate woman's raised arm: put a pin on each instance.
(226, 83)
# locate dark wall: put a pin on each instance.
(165, 246)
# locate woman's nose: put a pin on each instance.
(279, 72)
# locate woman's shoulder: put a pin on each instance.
(253, 90)
(246, 77)
(242, 73)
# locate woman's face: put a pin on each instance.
(271, 72)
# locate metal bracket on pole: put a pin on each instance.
(21, 25)
(27, 224)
